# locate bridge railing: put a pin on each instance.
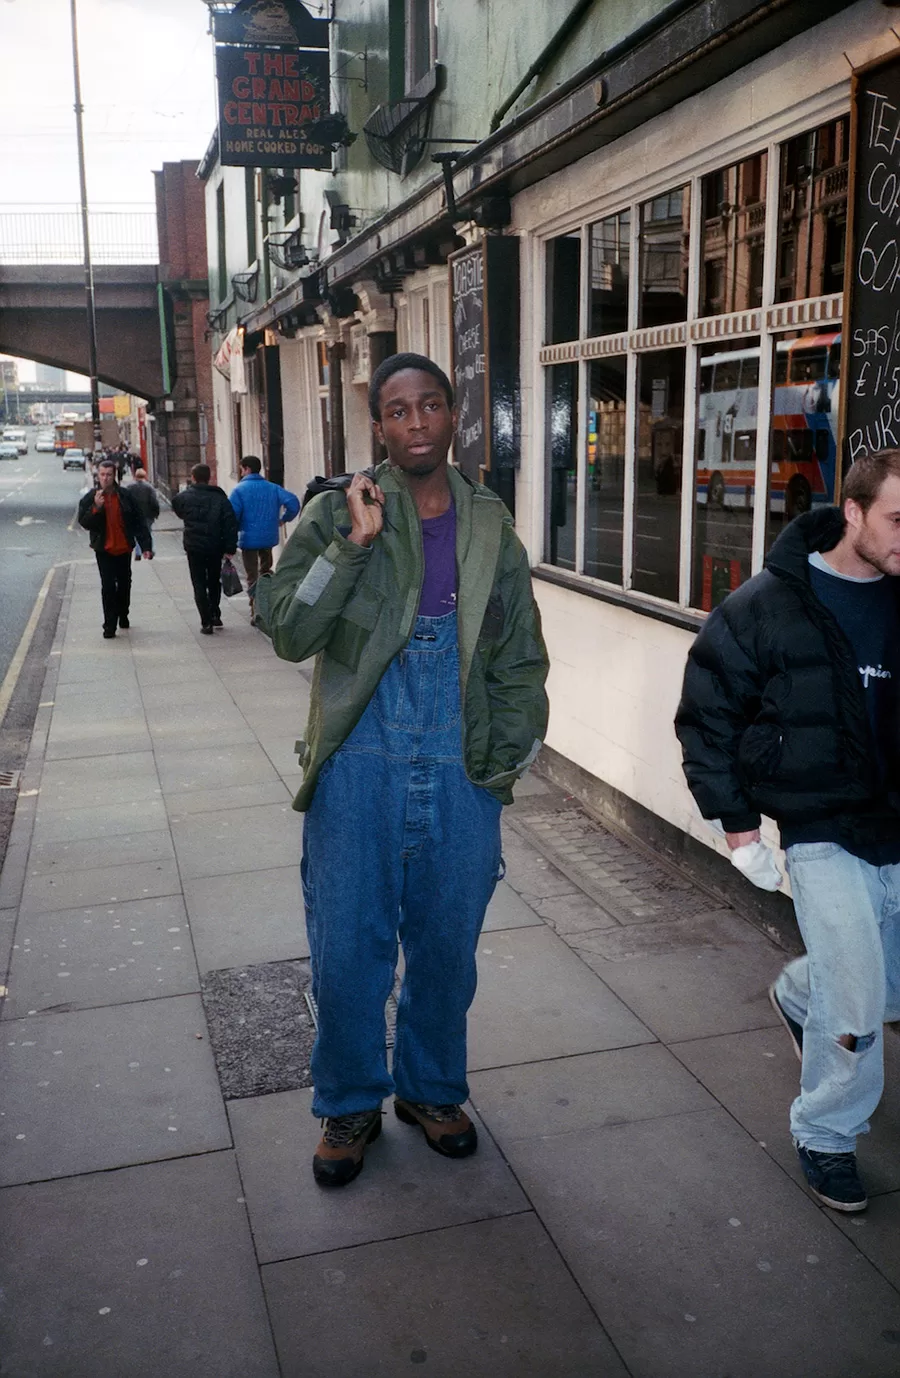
(53, 236)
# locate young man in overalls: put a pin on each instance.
(414, 592)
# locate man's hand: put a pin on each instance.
(736, 840)
(365, 502)
(148, 554)
(98, 500)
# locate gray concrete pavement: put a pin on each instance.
(635, 1207)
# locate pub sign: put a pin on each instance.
(272, 92)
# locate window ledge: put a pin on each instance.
(633, 602)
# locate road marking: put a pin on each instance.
(8, 687)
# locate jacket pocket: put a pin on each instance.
(760, 752)
(354, 627)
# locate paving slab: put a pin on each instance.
(489, 1300)
(572, 1094)
(55, 827)
(254, 916)
(104, 1088)
(877, 1235)
(403, 1189)
(234, 840)
(536, 1000)
(182, 805)
(574, 913)
(508, 910)
(153, 1273)
(701, 1257)
(77, 784)
(78, 741)
(88, 853)
(8, 919)
(213, 768)
(694, 991)
(101, 955)
(47, 891)
(756, 1076)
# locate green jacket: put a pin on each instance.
(354, 609)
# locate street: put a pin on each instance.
(37, 505)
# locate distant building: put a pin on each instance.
(50, 377)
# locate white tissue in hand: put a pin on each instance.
(757, 862)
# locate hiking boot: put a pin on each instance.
(794, 1029)
(447, 1128)
(833, 1179)
(339, 1156)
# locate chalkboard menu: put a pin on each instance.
(870, 386)
(484, 304)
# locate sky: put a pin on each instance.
(148, 92)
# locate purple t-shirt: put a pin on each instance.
(439, 546)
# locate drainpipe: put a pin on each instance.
(540, 62)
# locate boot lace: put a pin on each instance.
(343, 1130)
(442, 1114)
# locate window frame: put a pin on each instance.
(767, 321)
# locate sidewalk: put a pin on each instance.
(635, 1207)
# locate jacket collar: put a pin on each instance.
(248, 478)
(817, 530)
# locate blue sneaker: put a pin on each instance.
(833, 1179)
(794, 1029)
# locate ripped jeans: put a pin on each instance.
(847, 984)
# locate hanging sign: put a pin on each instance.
(268, 97)
(870, 386)
(270, 21)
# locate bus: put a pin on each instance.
(805, 402)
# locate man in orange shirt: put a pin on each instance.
(115, 522)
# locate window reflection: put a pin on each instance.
(561, 433)
(657, 525)
(664, 258)
(727, 410)
(605, 469)
(563, 288)
(734, 223)
(812, 232)
(803, 440)
(610, 248)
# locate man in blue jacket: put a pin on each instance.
(259, 507)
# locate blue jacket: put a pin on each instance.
(257, 505)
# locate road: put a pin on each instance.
(37, 505)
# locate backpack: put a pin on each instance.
(320, 484)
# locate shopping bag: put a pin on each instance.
(231, 580)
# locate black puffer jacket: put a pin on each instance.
(136, 529)
(210, 526)
(772, 717)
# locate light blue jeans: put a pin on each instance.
(397, 841)
(848, 983)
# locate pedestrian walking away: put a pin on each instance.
(790, 708)
(210, 532)
(115, 523)
(410, 585)
(260, 507)
(144, 495)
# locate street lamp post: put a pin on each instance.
(88, 269)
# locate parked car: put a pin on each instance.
(73, 459)
(45, 443)
(9, 449)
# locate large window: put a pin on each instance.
(685, 423)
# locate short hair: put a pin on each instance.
(866, 475)
(397, 363)
(200, 473)
(253, 463)
(105, 463)
(140, 473)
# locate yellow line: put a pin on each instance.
(7, 688)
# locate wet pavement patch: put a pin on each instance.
(260, 1027)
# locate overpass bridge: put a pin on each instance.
(43, 317)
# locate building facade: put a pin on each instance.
(677, 194)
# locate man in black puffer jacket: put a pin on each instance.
(210, 531)
(791, 707)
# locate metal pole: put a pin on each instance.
(88, 270)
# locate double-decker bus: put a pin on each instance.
(805, 401)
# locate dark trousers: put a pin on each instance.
(115, 587)
(206, 577)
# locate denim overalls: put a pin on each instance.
(397, 840)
